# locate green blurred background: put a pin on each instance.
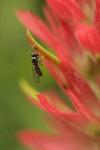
(16, 112)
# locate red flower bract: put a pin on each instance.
(75, 37)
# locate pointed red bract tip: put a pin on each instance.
(37, 27)
(89, 38)
(97, 15)
(67, 9)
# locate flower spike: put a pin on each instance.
(72, 29)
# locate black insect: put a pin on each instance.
(35, 65)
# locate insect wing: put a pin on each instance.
(35, 75)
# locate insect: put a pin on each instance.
(35, 65)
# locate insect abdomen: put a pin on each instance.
(38, 71)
